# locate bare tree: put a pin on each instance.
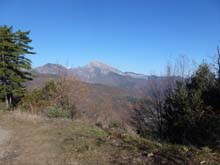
(183, 67)
(161, 87)
(218, 62)
(156, 103)
(70, 93)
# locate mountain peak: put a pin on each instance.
(50, 68)
(104, 68)
(96, 63)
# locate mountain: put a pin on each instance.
(87, 72)
(99, 73)
(53, 69)
(103, 68)
(136, 75)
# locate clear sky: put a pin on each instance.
(132, 35)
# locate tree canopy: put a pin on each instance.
(14, 65)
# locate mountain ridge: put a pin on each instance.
(97, 72)
(94, 65)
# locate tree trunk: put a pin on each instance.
(6, 102)
(10, 100)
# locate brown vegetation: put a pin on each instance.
(98, 104)
(37, 140)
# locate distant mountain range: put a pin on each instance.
(99, 73)
(87, 72)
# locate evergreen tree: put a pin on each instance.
(191, 113)
(14, 66)
(177, 115)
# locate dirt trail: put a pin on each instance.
(4, 136)
(4, 139)
(34, 140)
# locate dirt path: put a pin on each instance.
(4, 136)
(33, 140)
(4, 144)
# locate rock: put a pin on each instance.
(202, 162)
(150, 155)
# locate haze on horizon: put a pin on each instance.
(131, 35)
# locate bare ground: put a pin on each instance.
(4, 139)
(32, 140)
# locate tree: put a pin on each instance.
(218, 64)
(156, 101)
(150, 110)
(176, 114)
(192, 111)
(14, 66)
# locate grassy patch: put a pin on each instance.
(55, 112)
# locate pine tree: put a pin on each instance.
(14, 66)
(191, 113)
(177, 115)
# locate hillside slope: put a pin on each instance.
(101, 104)
(40, 141)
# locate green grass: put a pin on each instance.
(56, 112)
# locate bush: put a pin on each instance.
(114, 124)
(38, 99)
(55, 112)
(63, 93)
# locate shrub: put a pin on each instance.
(114, 124)
(63, 93)
(38, 99)
(55, 112)
(33, 102)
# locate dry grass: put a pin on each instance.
(24, 116)
(38, 140)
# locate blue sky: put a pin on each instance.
(132, 35)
